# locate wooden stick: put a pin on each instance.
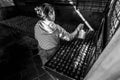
(84, 20)
(81, 16)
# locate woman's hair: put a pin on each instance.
(44, 10)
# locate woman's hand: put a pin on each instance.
(81, 32)
(80, 26)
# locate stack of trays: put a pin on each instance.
(73, 59)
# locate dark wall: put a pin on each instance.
(64, 12)
(8, 12)
(15, 51)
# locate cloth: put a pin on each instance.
(48, 35)
(48, 38)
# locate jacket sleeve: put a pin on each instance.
(63, 34)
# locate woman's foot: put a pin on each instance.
(44, 60)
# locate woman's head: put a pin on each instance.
(45, 11)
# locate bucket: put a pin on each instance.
(82, 34)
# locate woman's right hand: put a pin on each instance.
(80, 26)
(81, 32)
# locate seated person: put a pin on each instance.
(48, 33)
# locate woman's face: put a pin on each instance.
(52, 15)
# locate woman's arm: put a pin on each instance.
(63, 34)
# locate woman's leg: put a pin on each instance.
(46, 54)
(51, 52)
(43, 54)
